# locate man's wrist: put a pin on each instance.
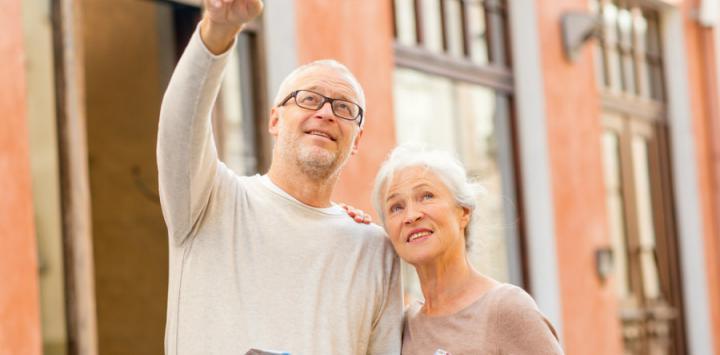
(218, 37)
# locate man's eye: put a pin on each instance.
(343, 107)
(310, 100)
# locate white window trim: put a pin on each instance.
(685, 183)
(281, 55)
(539, 210)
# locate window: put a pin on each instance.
(637, 177)
(238, 117)
(453, 91)
(44, 160)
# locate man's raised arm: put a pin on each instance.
(186, 153)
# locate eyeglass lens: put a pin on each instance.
(313, 101)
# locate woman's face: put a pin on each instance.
(422, 218)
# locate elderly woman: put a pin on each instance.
(427, 206)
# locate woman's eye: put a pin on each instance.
(427, 196)
(395, 208)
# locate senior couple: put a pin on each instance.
(268, 263)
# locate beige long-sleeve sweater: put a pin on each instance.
(503, 321)
(250, 267)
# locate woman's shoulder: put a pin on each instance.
(517, 313)
(511, 305)
(511, 297)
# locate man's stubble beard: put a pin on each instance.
(312, 161)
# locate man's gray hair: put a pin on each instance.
(441, 163)
(286, 85)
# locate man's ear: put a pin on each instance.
(274, 121)
(356, 142)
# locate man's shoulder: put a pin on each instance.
(370, 236)
(371, 232)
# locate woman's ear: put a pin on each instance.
(464, 217)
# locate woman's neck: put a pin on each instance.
(451, 285)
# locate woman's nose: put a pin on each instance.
(412, 215)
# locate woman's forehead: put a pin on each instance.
(410, 177)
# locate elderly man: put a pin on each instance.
(269, 262)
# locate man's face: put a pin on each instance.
(316, 140)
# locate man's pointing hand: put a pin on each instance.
(224, 19)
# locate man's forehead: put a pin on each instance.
(327, 81)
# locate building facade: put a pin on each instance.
(594, 126)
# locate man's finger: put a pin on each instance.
(255, 6)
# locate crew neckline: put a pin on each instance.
(267, 182)
(481, 299)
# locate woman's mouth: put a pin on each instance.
(418, 236)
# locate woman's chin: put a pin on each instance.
(418, 258)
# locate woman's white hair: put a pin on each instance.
(441, 163)
(286, 86)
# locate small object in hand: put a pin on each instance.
(266, 352)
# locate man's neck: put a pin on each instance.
(310, 191)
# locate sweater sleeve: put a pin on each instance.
(521, 328)
(186, 154)
(386, 335)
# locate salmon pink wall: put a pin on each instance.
(19, 309)
(704, 100)
(574, 136)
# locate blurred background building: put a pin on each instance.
(593, 124)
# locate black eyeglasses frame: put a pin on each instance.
(293, 95)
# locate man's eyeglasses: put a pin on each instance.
(311, 100)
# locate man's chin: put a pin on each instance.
(315, 152)
(317, 156)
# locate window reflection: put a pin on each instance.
(477, 112)
(431, 25)
(614, 198)
(652, 40)
(625, 24)
(477, 32)
(643, 76)
(646, 229)
(460, 118)
(612, 56)
(631, 60)
(454, 28)
(405, 22)
(234, 119)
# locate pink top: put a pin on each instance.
(504, 320)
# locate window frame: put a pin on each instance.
(496, 75)
(644, 114)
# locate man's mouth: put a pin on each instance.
(326, 135)
(420, 235)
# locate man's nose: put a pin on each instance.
(325, 111)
